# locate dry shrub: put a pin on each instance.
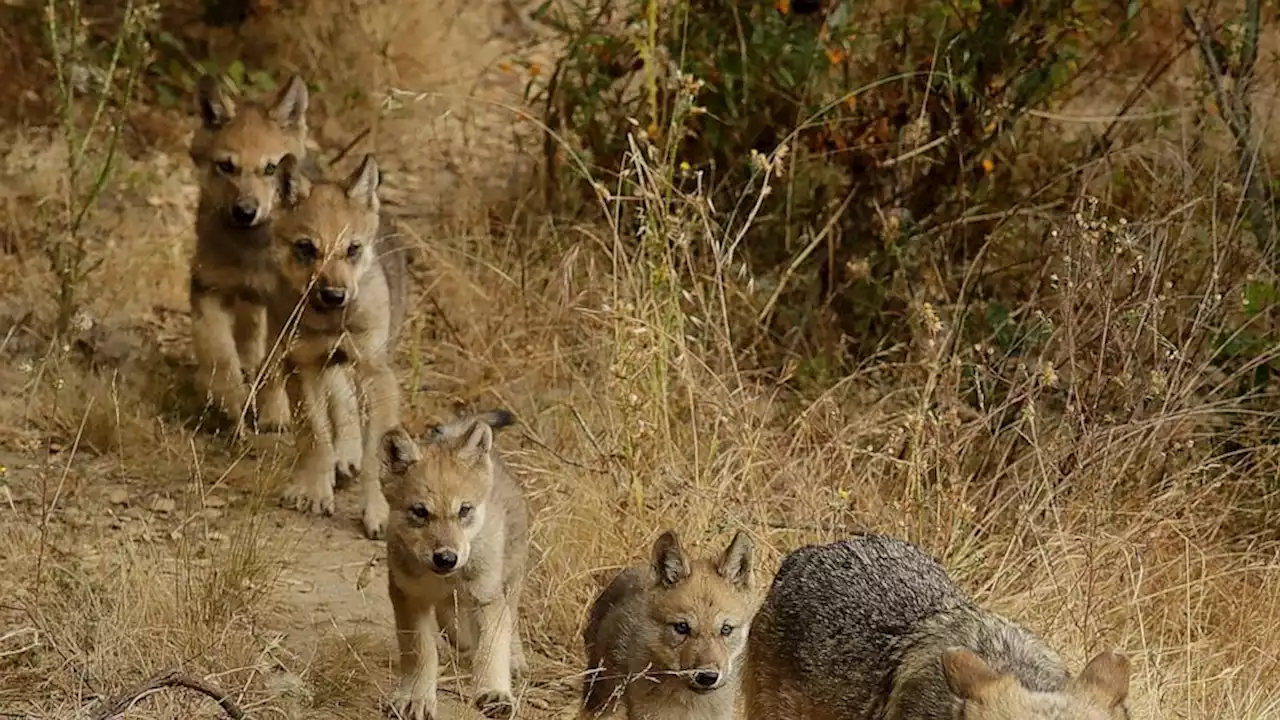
(108, 618)
(1076, 450)
(1070, 469)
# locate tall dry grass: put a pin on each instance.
(1105, 487)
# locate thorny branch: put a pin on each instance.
(167, 679)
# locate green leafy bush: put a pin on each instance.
(906, 120)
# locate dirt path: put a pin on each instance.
(170, 498)
(334, 589)
(334, 583)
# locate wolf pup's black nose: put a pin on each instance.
(244, 213)
(445, 559)
(333, 297)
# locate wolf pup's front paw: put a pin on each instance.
(376, 512)
(349, 452)
(406, 706)
(496, 704)
(309, 495)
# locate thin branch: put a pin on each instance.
(1237, 110)
(1225, 102)
(350, 146)
(32, 645)
(167, 679)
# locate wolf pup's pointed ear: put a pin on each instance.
(216, 107)
(477, 443)
(362, 186)
(294, 185)
(967, 674)
(399, 451)
(669, 560)
(290, 109)
(1106, 677)
(737, 564)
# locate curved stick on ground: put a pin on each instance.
(170, 678)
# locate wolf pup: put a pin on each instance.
(457, 547)
(872, 628)
(237, 150)
(667, 640)
(339, 302)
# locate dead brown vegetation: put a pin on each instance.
(1109, 489)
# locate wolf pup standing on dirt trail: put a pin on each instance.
(237, 151)
(457, 547)
(872, 628)
(338, 303)
(667, 640)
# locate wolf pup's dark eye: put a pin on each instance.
(464, 512)
(353, 251)
(681, 628)
(305, 251)
(420, 512)
(269, 169)
(226, 167)
(726, 630)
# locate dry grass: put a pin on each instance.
(1087, 498)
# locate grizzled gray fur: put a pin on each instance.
(857, 630)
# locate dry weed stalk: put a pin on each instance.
(88, 166)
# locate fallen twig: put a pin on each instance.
(170, 678)
(350, 146)
(35, 634)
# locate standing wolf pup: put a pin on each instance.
(338, 303)
(668, 640)
(457, 546)
(238, 150)
(872, 628)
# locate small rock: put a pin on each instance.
(118, 496)
(163, 505)
(215, 501)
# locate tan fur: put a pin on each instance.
(338, 303)
(457, 547)
(237, 151)
(1096, 694)
(667, 642)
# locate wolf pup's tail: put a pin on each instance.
(496, 419)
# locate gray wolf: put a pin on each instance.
(873, 628)
(457, 548)
(338, 303)
(237, 150)
(667, 641)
